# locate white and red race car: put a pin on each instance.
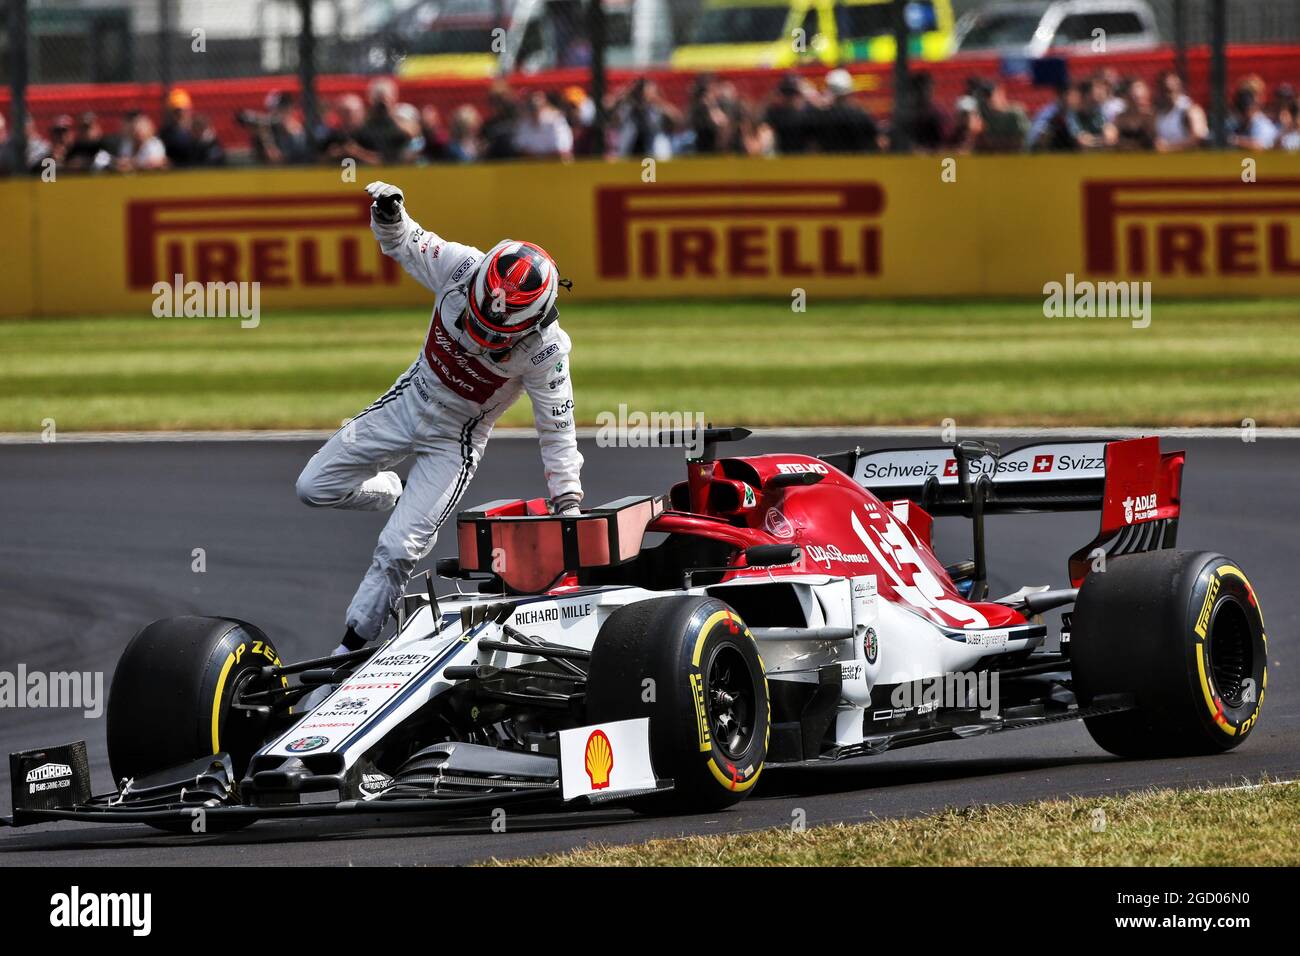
(770, 609)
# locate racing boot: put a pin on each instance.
(352, 641)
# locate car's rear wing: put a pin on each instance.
(1135, 487)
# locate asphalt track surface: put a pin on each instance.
(97, 539)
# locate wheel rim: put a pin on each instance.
(732, 700)
(1231, 651)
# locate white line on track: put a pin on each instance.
(1255, 786)
(838, 431)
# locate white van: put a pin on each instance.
(499, 37)
(1057, 27)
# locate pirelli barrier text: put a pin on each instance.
(1192, 225)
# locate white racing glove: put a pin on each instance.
(566, 504)
(387, 205)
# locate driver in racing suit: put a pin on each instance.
(493, 335)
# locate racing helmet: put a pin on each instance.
(510, 294)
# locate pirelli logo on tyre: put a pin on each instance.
(737, 231)
(1192, 228)
(701, 711)
(1207, 607)
(313, 240)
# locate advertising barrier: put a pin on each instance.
(1205, 224)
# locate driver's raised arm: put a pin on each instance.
(431, 260)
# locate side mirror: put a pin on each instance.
(973, 450)
(450, 568)
(791, 481)
(771, 555)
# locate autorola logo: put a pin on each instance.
(303, 744)
(49, 771)
(309, 240)
(1192, 228)
(598, 759)
(739, 231)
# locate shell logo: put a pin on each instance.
(599, 759)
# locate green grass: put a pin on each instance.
(748, 362)
(1248, 827)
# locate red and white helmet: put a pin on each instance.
(511, 293)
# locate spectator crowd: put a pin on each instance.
(1104, 111)
(82, 144)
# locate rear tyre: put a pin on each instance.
(691, 666)
(1183, 633)
(169, 702)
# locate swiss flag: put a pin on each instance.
(1043, 462)
(950, 468)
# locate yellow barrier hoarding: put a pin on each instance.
(842, 227)
(17, 250)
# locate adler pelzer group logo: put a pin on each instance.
(739, 231)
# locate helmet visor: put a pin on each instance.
(487, 337)
(491, 328)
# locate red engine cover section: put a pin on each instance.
(844, 530)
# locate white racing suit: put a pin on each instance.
(440, 411)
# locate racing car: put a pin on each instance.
(662, 650)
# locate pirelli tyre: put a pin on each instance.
(170, 699)
(1182, 632)
(691, 666)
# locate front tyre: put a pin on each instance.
(691, 666)
(1182, 632)
(170, 699)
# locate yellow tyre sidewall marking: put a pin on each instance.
(697, 654)
(736, 786)
(260, 649)
(1203, 652)
(216, 698)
